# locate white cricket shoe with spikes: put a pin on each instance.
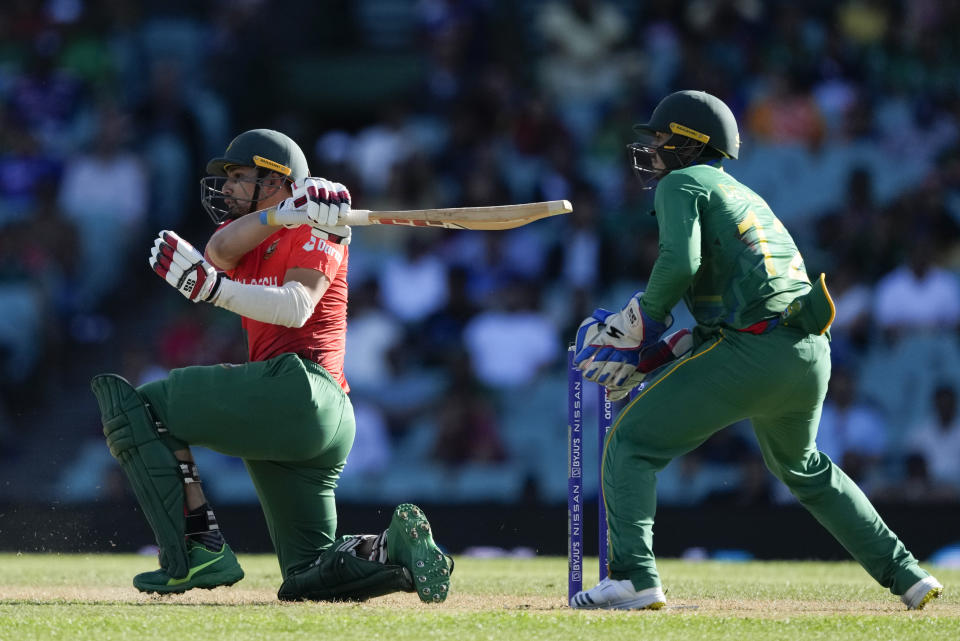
(611, 594)
(922, 592)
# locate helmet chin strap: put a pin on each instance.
(255, 198)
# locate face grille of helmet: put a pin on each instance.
(214, 200)
(676, 152)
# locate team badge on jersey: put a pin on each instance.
(272, 248)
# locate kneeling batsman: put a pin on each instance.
(618, 349)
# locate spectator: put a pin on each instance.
(786, 114)
(379, 148)
(443, 330)
(46, 98)
(853, 300)
(581, 69)
(24, 167)
(937, 438)
(371, 333)
(916, 486)
(467, 430)
(414, 285)
(858, 230)
(172, 143)
(104, 193)
(918, 295)
(509, 346)
(23, 305)
(370, 453)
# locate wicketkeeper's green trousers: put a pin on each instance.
(292, 425)
(777, 380)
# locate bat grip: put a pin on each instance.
(357, 217)
(294, 218)
(273, 217)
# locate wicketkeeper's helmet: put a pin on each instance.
(267, 150)
(700, 124)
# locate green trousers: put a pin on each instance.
(292, 425)
(777, 380)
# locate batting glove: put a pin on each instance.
(180, 264)
(315, 201)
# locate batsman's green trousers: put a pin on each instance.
(777, 380)
(292, 425)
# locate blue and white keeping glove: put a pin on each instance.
(668, 349)
(608, 344)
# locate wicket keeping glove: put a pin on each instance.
(666, 350)
(608, 344)
(180, 264)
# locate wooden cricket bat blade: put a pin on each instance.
(479, 218)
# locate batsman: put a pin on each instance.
(760, 351)
(285, 413)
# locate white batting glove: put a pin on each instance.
(180, 264)
(315, 201)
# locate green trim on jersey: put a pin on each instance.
(722, 250)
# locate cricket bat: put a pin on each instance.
(494, 218)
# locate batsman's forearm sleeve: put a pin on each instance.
(290, 305)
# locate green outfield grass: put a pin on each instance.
(79, 597)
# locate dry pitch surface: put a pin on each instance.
(90, 597)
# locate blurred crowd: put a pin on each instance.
(109, 109)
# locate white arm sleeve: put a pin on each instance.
(290, 305)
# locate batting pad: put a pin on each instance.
(150, 465)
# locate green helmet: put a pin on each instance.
(268, 151)
(264, 148)
(700, 126)
(696, 115)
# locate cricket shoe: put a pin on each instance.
(611, 594)
(410, 544)
(208, 569)
(921, 593)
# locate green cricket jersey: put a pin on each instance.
(722, 250)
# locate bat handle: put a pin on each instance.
(293, 218)
(357, 217)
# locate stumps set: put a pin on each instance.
(575, 498)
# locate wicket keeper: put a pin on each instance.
(760, 351)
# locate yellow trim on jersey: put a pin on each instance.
(677, 128)
(616, 424)
(272, 165)
(833, 308)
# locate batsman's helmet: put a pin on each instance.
(700, 124)
(267, 150)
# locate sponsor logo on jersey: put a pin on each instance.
(266, 280)
(272, 248)
(320, 245)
